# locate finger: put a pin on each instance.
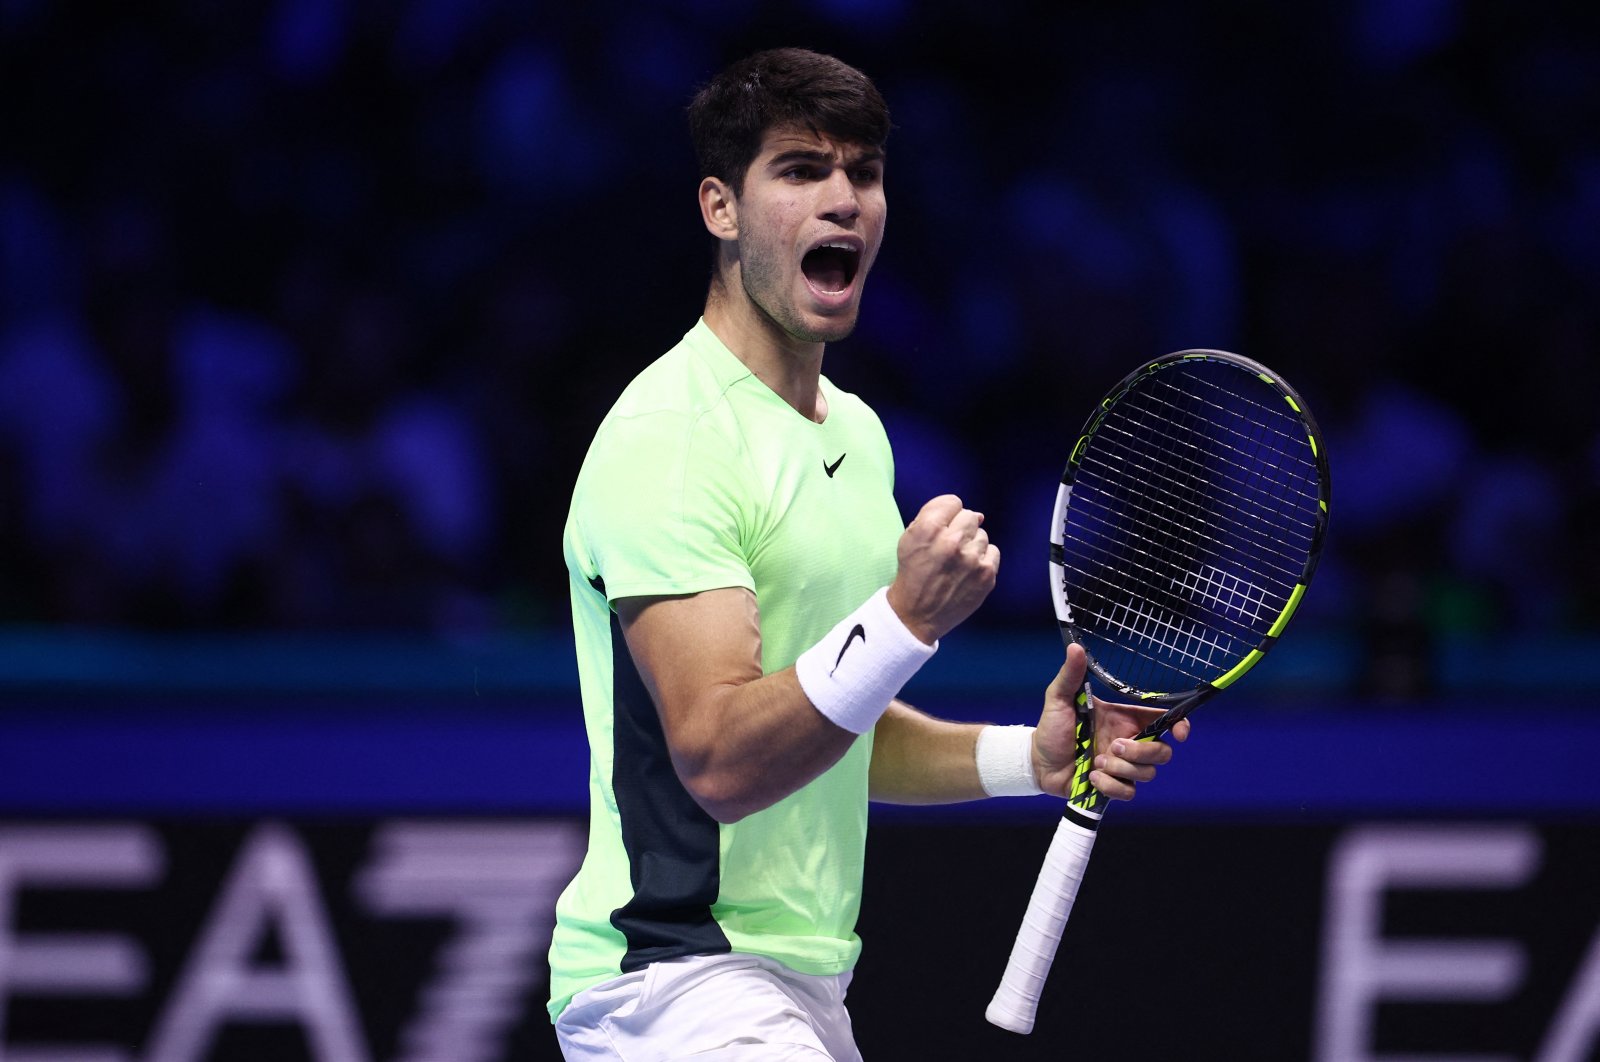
(1112, 788)
(1129, 771)
(1137, 716)
(976, 545)
(1154, 753)
(938, 512)
(964, 528)
(1180, 732)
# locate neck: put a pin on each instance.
(790, 367)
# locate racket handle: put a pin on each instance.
(1016, 1002)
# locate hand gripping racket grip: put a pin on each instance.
(1016, 1002)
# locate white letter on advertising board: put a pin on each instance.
(1360, 969)
(270, 886)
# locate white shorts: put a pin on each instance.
(741, 1008)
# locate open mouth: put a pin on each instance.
(831, 267)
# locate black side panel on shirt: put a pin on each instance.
(672, 844)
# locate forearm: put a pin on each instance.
(744, 747)
(741, 740)
(919, 759)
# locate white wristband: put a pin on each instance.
(1005, 761)
(857, 668)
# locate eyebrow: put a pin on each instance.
(815, 155)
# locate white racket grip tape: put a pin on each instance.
(1016, 1002)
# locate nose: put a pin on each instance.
(839, 199)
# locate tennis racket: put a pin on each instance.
(1187, 526)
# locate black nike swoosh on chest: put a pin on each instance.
(831, 469)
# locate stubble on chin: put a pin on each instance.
(764, 286)
(837, 330)
(792, 323)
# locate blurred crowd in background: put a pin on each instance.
(308, 308)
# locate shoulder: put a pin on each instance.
(671, 426)
(654, 413)
(694, 378)
(657, 507)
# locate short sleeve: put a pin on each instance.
(659, 508)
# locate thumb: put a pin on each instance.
(1062, 693)
(1070, 678)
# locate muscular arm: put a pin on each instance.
(740, 741)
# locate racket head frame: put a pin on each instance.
(1179, 703)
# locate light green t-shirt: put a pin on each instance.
(699, 478)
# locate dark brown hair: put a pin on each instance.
(784, 86)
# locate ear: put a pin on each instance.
(719, 208)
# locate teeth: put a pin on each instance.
(838, 245)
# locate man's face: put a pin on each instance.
(811, 218)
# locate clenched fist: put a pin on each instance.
(947, 567)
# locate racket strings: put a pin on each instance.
(1143, 601)
(1181, 457)
(1188, 640)
(1232, 420)
(1278, 471)
(1167, 504)
(1147, 569)
(1201, 531)
(1192, 515)
(1207, 648)
(1231, 429)
(1251, 492)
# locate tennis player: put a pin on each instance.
(747, 606)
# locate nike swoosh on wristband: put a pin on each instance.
(831, 469)
(858, 631)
